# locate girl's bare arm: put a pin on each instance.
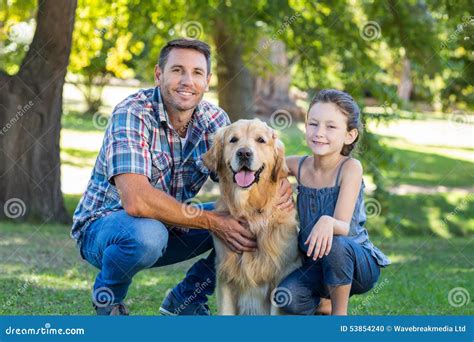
(351, 180)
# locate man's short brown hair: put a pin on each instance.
(185, 43)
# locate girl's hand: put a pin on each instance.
(320, 238)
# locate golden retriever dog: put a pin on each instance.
(249, 160)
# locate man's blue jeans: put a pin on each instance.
(121, 245)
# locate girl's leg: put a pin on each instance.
(299, 293)
(339, 299)
(348, 269)
(324, 307)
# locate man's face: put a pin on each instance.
(184, 79)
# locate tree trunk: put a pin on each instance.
(406, 85)
(272, 90)
(235, 83)
(30, 120)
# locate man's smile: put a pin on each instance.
(185, 93)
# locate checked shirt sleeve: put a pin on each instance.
(127, 149)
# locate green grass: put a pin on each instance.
(430, 165)
(83, 122)
(443, 214)
(42, 273)
(78, 158)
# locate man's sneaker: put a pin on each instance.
(171, 306)
(118, 309)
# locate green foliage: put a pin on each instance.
(17, 27)
(103, 47)
(326, 42)
(457, 73)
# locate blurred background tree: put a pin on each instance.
(31, 105)
(103, 48)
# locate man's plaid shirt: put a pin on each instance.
(139, 140)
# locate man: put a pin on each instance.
(133, 215)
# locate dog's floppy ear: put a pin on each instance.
(280, 169)
(214, 155)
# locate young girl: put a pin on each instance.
(339, 259)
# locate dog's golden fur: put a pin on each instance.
(246, 281)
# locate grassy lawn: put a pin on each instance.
(42, 273)
(430, 165)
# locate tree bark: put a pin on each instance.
(272, 90)
(406, 85)
(30, 120)
(235, 83)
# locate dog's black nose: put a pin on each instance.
(244, 153)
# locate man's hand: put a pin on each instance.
(285, 193)
(233, 234)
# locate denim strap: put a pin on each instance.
(339, 171)
(300, 163)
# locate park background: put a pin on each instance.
(65, 65)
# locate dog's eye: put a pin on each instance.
(261, 140)
(234, 139)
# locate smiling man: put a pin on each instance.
(133, 214)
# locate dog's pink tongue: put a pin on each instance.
(244, 178)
